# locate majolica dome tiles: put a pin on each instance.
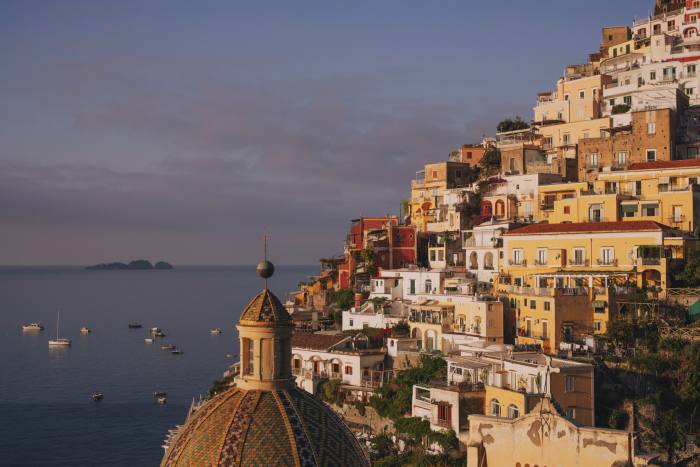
(264, 428)
(265, 308)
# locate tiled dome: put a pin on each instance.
(265, 308)
(264, 428)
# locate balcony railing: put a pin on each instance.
(547, 206)
(513, 262)
(651, 261)
(578, 262)
(606, 262)
(676, 219)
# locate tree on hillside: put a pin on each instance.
(491, 162)
(512, 124)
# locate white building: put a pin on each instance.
(371, 315)
(318, 357)
(482, 248)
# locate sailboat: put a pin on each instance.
(59, 341)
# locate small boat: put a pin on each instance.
(161, 400)
(85, 330)
(215, 331)
(176, 352)
(59, 341)
(167, 347)
(160, 394)
(97, 396)
(134, 325)
(148, 340)
(32, 327)
(156, 332)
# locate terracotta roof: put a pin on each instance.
(665, 164)
(585, 227)
(307, 340)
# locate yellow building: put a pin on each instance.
(515, 381)
(429, 186)
(576, 99)
(561, 280)
(427, 320)
(664, 191)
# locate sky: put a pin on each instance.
(183, 131)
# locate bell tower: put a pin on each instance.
(265, 332)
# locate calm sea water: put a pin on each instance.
(46, 415)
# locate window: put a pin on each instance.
(571, 412)
(444, 412)
(567, 210)
(533, 304)
(651, 128)
(513, 411)
(689, 91)
(348, 369)
(545, 327)
(335, 367)
(432, 255)
(495, 408)
(296, 363)
(671, 25)
(542, 256)
(597, 325)
(570, 383)
(528, 327)
(621, 158)
(413, 287)
(582, 94)
(566, 138)
(517, 256)
(607, 255)
(669, 73)
(593, 160)
(652, 75)
(441, 255)
(690, 69)
(657, 29)
(627, 100)
(351, 323)
(248, 351)
(650, 210)
(612, 102)
(547, 306)
(651, 155)
(428, 286)
(566, 97)
(435, 174)
(579, 256)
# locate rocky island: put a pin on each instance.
(139, 264)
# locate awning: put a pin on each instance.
(629, 208)
(650, 206)
(663, 180)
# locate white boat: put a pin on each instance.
(59, 341)
(215, 331)
(85, 330)
(97, 396)
(32, 327)
(161, 400)
(148, 340)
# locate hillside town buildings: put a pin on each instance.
(513, 259)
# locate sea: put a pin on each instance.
(47, 417)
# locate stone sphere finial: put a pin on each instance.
(265, 269)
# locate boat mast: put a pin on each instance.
(58, 320)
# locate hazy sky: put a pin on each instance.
(182, 130)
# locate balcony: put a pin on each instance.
(444, 423)
(547, 207)
(651, 261)
(513, 262)
(335, 375)
(676, 219)
(606, 262)
(578, 262)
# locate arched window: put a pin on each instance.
(500, 208)
(513, 411)
(473, 262)
(495, 408)
(428, 286)
(488, 260)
